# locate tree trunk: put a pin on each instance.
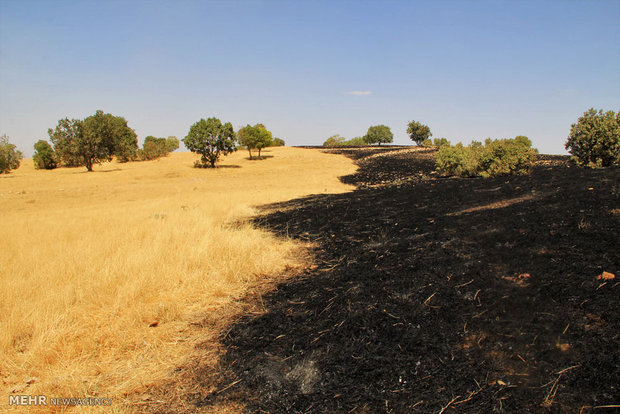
(250, 151)
(259, 153)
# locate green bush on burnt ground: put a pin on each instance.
(338, 141)
(494, 158)
(594, 141)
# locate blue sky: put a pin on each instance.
(311, 69)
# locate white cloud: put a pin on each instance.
(359, 93)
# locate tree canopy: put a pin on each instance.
(418, 132)
(10, 157)
(93, 140)
(595, 139)
(44, 157)
(255, 137)
(65, 138)
(211, 139)
(379, 134)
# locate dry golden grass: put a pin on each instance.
(89, 262)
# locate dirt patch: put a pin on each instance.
(423, 301)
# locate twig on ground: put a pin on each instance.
(449, 404)
(465, 284)
(429, 298)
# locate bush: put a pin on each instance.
(44, 157)
(427, 143)
(334, 141)
(440, 142)
(154, 148)
(494, 158)
(278, 142)
(10, 158)
(172, 144)
(355, 142)
(338, 141)
(594, 141)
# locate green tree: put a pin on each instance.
(44, 157)
(379, 134)
(255, 137)
(65, 138)
(104, 135)
(595, 139)
(211, 139)
(10, 158)
(418, 132)
(93, 140)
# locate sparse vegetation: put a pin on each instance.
(594, 141)
(418, 132)
(44, 157)
(10, 157)
(278, 142)
(90, 310)
(211, 139)
(494, 158)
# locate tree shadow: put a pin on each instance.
(257, 158)
(429, 293)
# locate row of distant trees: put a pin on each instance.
(381, 134)
(102, 137)
(97, 138)
(593, 141)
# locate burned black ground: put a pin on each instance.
(436, 294)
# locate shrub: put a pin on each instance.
(595, 139)
(494, 158)
(172, 144)
(334, 141)
(278, 142)
(44, 157)
(427, 143)
(10, 158)
(440, 142)
(355, 142)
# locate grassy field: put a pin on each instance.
(102, 273)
